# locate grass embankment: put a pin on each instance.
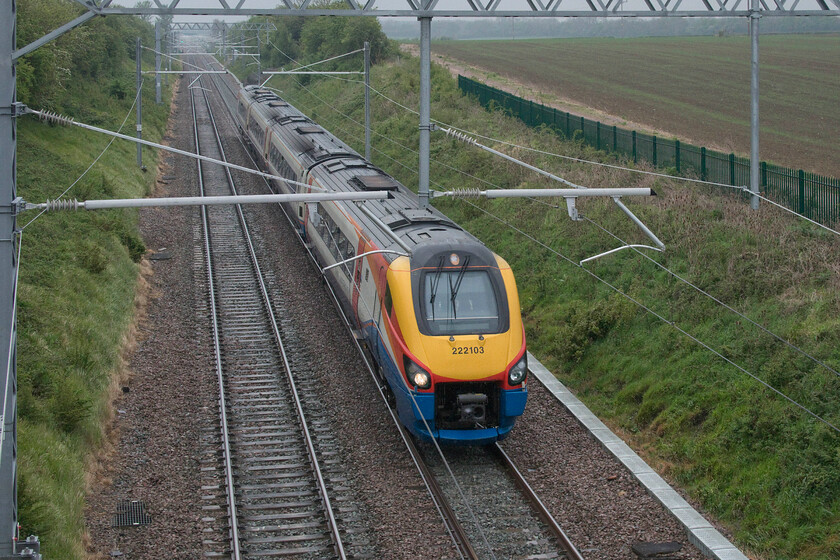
(78, 275)
(753, 460)
(696, 88)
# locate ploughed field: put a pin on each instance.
(694, 88)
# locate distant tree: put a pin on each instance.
(144, 4)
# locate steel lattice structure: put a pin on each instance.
(485, 8)
(211, 26)
(424, 10)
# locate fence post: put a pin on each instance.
(615, 138)
(568, 125)
(677, 154)
(635, 160)
(802, 192)
(703, 164)
(732, 169)
(582, 129)
(764, 174)
(654, 150)
(598, 135)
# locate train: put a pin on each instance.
(437, 310)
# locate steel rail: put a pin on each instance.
(231, 496)
(453, 526)
(536, 503)
(322, 486)
(459, 534)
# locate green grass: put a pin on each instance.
(696, 88)
(766, 469)
(78, 274)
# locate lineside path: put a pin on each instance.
(700, 532)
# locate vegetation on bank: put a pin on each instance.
(753, 460)
(78, 271)
(305, 40)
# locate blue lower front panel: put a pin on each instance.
(416, 410)
(419, 423)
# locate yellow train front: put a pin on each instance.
(458, 366)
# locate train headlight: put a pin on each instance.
(517, 373)
(417, 375)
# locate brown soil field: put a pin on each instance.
(696, 89)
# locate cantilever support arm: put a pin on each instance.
(53, 35)
(639, 223)
(569, 195)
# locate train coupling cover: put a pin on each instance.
(472, 407)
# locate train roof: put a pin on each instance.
(309, 142)
(338, 167)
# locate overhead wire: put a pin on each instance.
(645, 172)
(419, 410)
(657, 315)
(684, 332)
(591, 162)
(325, 60)
(718, 301)
(172, 57)
(609, 165)
(389, 139)
(102, 153)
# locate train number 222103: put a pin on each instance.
(468, 350)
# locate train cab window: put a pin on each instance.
(460, 302)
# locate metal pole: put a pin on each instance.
(259, 58)
(73, 204)
(367, 100)
(139, 109)
(425, 107)
(168, 39)
(8, 271)
(157, 61)
(755, 15)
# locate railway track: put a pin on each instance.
(518, 524)
(273, 473)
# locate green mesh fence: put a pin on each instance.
(811, 195)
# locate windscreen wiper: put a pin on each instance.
(454, 289)
(435, 283)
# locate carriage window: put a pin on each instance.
(257, 132)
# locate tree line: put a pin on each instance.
(99, 50)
